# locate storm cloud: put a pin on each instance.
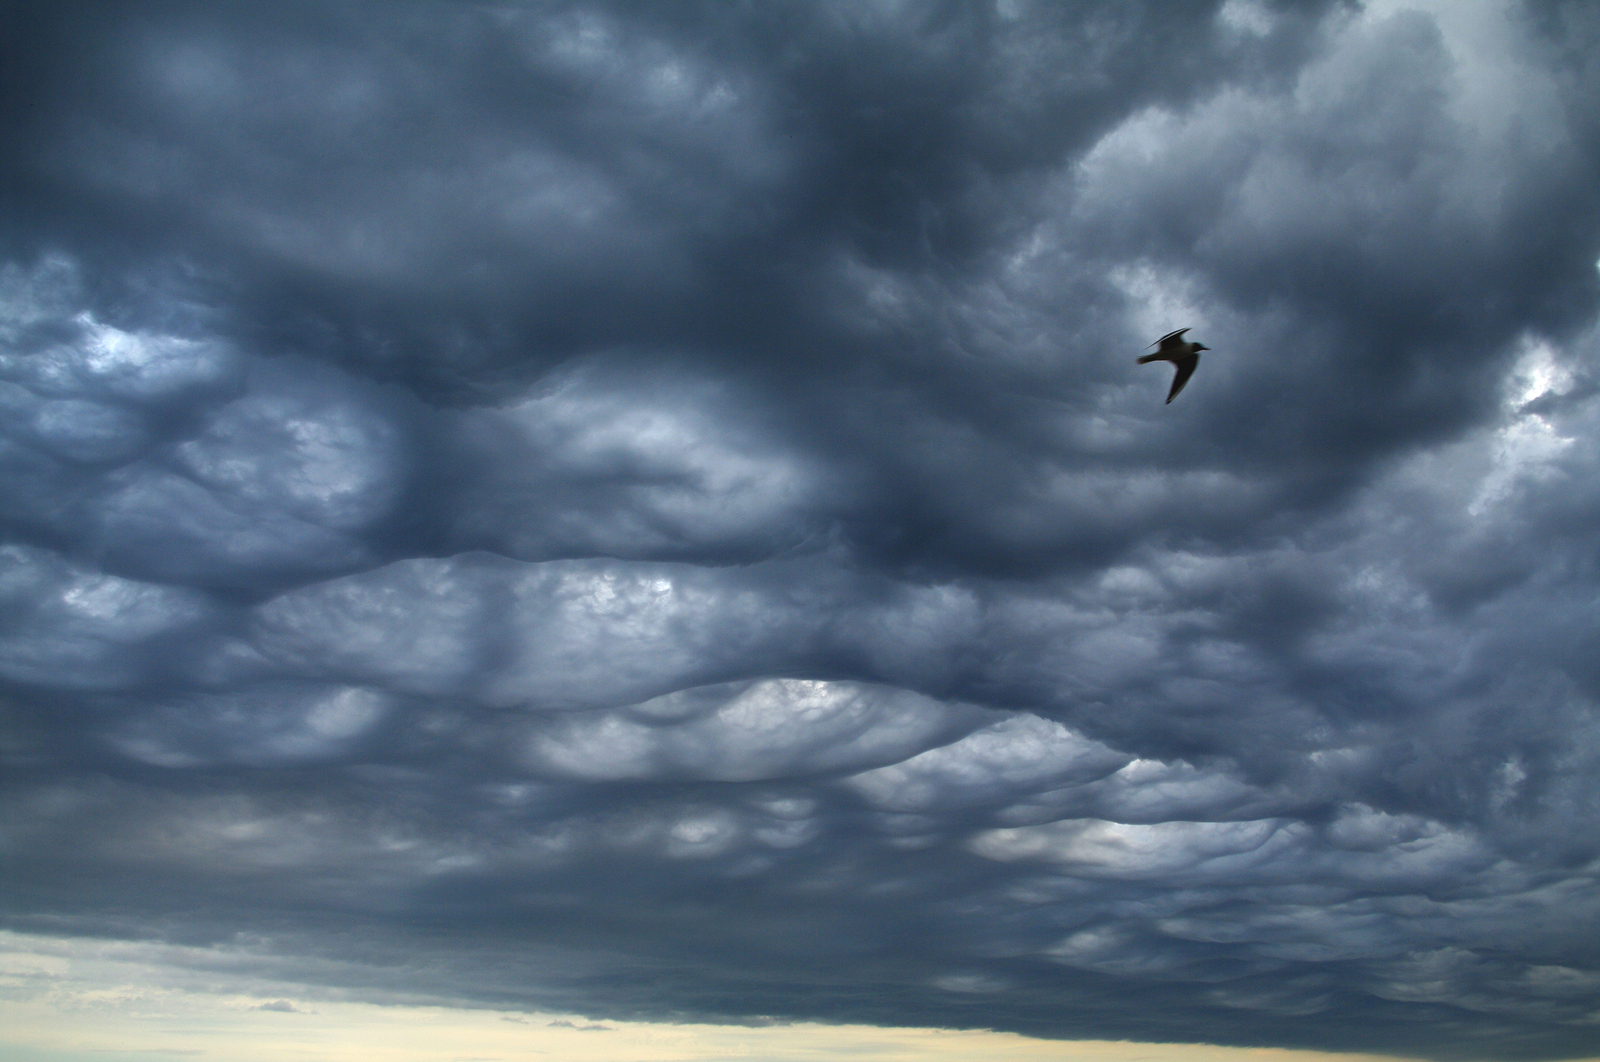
(649, 510)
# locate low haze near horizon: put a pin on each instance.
(588, 521)
(108, 1001)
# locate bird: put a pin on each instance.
(1183, 355)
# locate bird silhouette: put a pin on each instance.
(1183, 355)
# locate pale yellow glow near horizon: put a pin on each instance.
(73, 1000)
(235, 1029)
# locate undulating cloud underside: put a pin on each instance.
(649, 510)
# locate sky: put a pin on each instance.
(643, 520)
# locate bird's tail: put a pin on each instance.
(1149, 358)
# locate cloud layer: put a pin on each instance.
(649, 511)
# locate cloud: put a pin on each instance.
(652, 513)
(282, 1006)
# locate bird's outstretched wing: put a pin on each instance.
(1171, 339)
(1185, 367)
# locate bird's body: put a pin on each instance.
(1183, 354)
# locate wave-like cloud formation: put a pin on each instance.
(651, 512)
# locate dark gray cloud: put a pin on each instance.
(649, 510)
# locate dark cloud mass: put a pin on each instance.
(649, 510)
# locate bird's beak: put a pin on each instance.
(1199, 349)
